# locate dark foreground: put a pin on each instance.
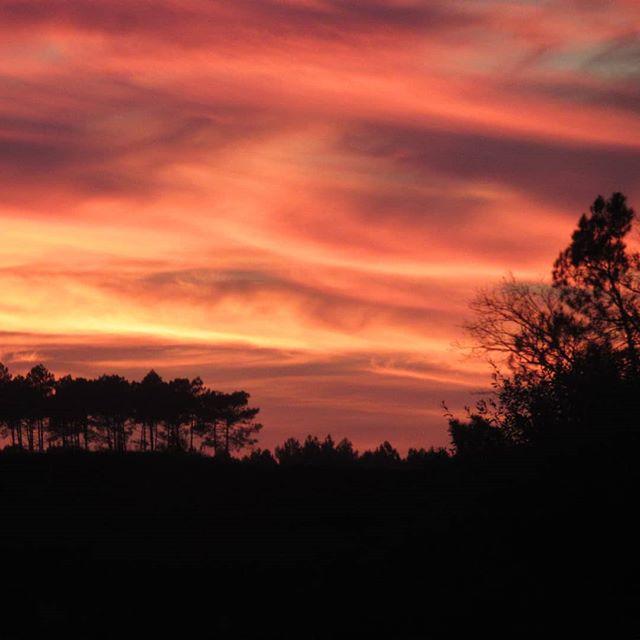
(98, 546)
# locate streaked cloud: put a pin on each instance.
(298, 196)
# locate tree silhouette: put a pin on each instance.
(238, 421)
(316, 453)
(149, 398)
(9, 415)
(112, 410)
(432, 457)
(37, 411)
(179, 412)
(477, 437)
(69, 414)
(599, 278)
(529, 326)
(39, 383)
(209, 418)
(289, 453)
(14, 405)
(262, 458)
(571, 347)
(384, 456)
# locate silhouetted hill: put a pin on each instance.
(98, 543)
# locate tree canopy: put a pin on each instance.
(566, 352)
(38, 411)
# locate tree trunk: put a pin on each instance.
(30, 435)
(143, 436)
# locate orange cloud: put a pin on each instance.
(298, 197)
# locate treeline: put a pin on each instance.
(314, 452)
(39, 411)
(566, 357)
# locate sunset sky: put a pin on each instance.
(298, 197)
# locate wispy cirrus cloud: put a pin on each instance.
(298, 197)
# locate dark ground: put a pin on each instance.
(99, 546)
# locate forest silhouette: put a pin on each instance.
(153, 500)
(39, 412)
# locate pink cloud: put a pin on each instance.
(298, 197)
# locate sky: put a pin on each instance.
(299, 197)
